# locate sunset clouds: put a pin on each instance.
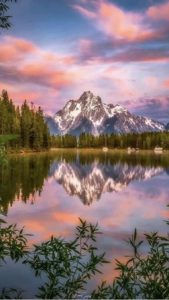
(113, 21)
(159, 12)
(118, 50)
(118, 23)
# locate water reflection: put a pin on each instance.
(85, 175)
(132, 191)
(22, 178)
(90, 181)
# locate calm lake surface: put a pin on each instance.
(47, 193)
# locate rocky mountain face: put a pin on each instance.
(88, 183)
(89, 114)
(167, 126)
(52, 125)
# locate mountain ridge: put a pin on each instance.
(89, 114)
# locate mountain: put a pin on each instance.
(167, 127)
(89, 114)
(88, 183)
(52, 125)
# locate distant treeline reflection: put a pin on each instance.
(23, 178)
(89, 156)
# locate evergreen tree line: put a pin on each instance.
(25, 124)
(146, 140)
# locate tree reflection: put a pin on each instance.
(86, 174)
(22, 178)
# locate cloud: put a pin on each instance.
(166, 83)
(110, 64)
(35, 65)
(145, 55)
(112, 52)
(115, 22)
(156, 108)
(159, 12)
(119, 24)
(43, 74)
(36, 74)
(30, 72)
(14, 49)
(87, 13)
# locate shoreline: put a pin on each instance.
(24, 152)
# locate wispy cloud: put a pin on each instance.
(159, 12)
(123, 58)
(117, 23)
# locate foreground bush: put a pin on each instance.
(69, 265)
(143, 276)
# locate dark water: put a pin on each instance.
(47, 193)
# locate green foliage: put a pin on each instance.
(7, 137)
(10, 293)
(68, 266)
(144, 276)
(23, 127)
(146, 140)
(4, 17)
(13, 242)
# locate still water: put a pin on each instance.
(47, 193)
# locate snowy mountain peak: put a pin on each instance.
(89, 114)
(86, 95)
(89, 100)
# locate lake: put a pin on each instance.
(47, 193)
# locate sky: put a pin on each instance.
(118, 49)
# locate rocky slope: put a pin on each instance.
(89, 114)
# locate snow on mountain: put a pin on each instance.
(52, 125)
(89, 114)
(88, 184)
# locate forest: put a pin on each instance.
(25, 128)
(22, 127)
(146, 140)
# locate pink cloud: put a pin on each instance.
(26, 63)
(151, 81)
(122, 83)
(45, 97)
(12, 49)
(159, 12)
(87, 13)
(43, 73)
(115, 22)
(166, 83)
(85, 45)
(118, 23)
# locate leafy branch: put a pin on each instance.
(4, 17)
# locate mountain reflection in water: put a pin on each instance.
(85, 175)
(89, 182)
(45, 193)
